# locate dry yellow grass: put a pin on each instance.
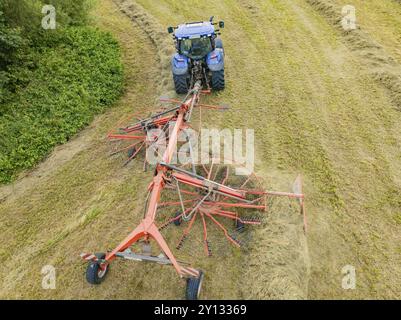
(381, 19)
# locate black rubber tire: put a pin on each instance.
(181, 83)
(93, 272)
(194, 286)
(218, 43)
(178, 221)
(218, 82)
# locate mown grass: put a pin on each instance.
(381, 19)
(314, 109)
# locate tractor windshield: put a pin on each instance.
(196, 48)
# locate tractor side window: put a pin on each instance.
(185, 46)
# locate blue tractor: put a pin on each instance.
(199, 57)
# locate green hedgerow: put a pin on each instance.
(72, 80)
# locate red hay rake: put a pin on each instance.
(210, 193)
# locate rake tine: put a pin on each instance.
(134, 155)
(206, 242)
(170, 221)
(225, 215)
(124, 149)
(175, 203)
(231, 215)
(231, 238)
(186, 231)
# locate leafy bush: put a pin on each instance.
(10, 42)
(56, 92)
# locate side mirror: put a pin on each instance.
(221, 24)
(170, 29)
(211, 19)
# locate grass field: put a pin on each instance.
(316, 110)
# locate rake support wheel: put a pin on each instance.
(95, 272)
(194, 286)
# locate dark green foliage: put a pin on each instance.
(10, 42)
(51, 87)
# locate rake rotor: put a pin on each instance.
(213, 201)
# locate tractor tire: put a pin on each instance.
(218, 43)
(194, 286)
(94, 274)
(218, 80)
(181, 83)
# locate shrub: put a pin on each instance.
(56, 93)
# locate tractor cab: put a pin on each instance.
(195, 40)
(196, 48)
(199, 55)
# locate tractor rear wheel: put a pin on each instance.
(218, 80)
(194, 286)
(181, 83)
(95, 273)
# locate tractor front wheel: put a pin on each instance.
(181, 83)
(194, 286)
(218, 80)
(96, 272)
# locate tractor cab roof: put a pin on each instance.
(194, 30)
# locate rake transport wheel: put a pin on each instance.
(194, 286)
(95, 272)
